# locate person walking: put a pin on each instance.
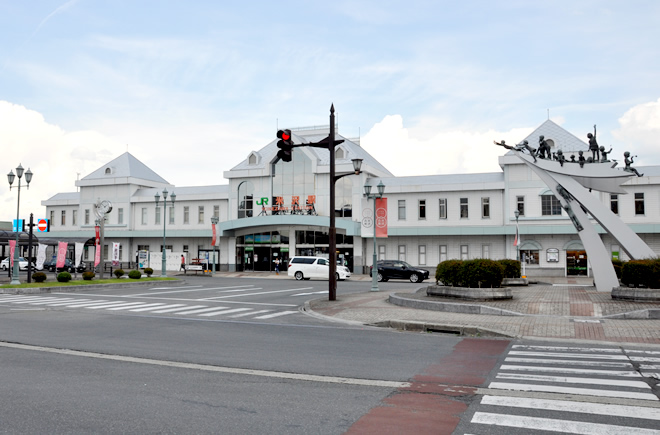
(277, 266)
(183, 263)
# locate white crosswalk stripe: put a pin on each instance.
(179, 309)
(569, 390)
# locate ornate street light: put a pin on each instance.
(374, 264)
(10, 177)
(172, 198)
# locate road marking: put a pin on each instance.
(278, 314)
(85, 304)
(567, 348)
(627, 374)
(569, 355)
(235, 316)
(134, 305)
(217, 369)
(182, 307)
(202, 310)
(59, 301)
(176, 306)
(572, 380)
(235, 310)
(311, 293)
(250, 294)
(564, 426)
(569, 390)
(148, 308)
(569, 362)
(572, 406)
(184, 290)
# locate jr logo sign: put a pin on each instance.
(264, 201)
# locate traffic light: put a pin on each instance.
(285, 144)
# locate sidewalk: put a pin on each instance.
(555, 308)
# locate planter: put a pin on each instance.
(474, 294)
(636, 294)
(506, 282)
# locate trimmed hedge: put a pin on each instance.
(511, 268)
(39, 276)
(63, 277)
(148, 271)
(134, 274)
(88, 276)
(645, 273)
(618, 265)
(477, 273)
(119, 273)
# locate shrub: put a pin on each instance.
(645, 273)
(448, 273)
(618, 265)
(134, 274)
(63, 277)
(88, 276)
(39, 277)
(148, 271)
(481, 272)
(511, 268)
(118, 273)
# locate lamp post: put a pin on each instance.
(10, 177)
(214, 221)
(522, 264)
(374, 264)
(163, 272)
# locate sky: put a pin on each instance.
(191, 88)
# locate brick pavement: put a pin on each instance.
(547, 311)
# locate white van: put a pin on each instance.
(314, 267)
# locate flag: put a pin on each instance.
(516, 241)
(61, 253)
(79, 250)
(41, 256)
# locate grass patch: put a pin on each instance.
(81, 282)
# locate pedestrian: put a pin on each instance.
(183, 263)
(277, 266)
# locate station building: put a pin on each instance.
(270, 209)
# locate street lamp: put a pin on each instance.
(10, 177)
(214, 221)
(517, 242)
(374, 264)
(172, 198)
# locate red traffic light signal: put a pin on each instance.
(285, 144)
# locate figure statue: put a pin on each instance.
(573, 158)
(525, 145)
(603, 154)
(593, 145)
(629, 161)
(544, 148)
(581, 159)
(503, 144)
(560, 157)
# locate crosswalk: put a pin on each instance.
(164, 308)
(554, 389)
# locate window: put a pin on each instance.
(157, 216)
(185, 248)
(246, 199)
(485, 251)
(422, 255)
(172, 215)
(422, 208)
(52, 218)
(63, 221)
(402, 209)
(520, 204)
(74, 217)
(530, 256)
(550, 206)
(167, 248)
(614, 203)
(402, 252)
(485, 208)
(105, 252)
(442, 208)
(443, 253)
(216, 211)
(639, 204)
(200, 213)
(144, 215)
(143, 248)
(464, 208)
(381, 252)
(86, 216)
(186, 215)
(464, 252)
(120, 216)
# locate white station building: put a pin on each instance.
(273, 209)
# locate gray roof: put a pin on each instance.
(126, 165)
(562, 139)
(268, 153)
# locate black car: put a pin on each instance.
(390, 269)
(68, 266)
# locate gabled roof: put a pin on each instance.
(124, 166)
(562, 139)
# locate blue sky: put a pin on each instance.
(190, 88)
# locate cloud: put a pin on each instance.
(639, 132)
(414, 151)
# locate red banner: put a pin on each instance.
(214, 239)
(98, 235)
(381, 217)
(12, 248)
(61, 253)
